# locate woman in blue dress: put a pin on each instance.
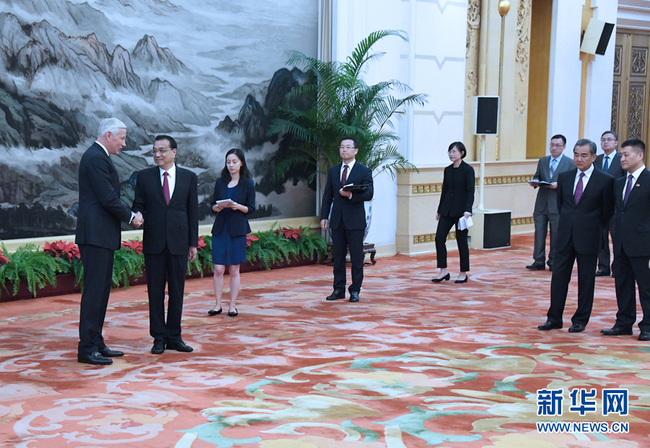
(233, 200)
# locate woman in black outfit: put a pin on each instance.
(455, 202)
(231, 225)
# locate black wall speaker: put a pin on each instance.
(485, 115)
(596, 37)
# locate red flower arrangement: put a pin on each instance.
(201, 243)
(250, 238)
(62, 249)
(134, 245)
(3, 259)
(291, 233)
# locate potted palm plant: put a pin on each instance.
(337, 102)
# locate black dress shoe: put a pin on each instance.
(354, 296)
(602, 273)
(617, 331)
(95, 358)
(463, 280)
(576, 328)
(233, 313)
(336, 295)
(215, 312)
(108, 353)
(179, 346)
(548, 325)
(536, 266)
(439, 279)
(158, 347)
(644, 336)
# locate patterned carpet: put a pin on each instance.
(413, 364)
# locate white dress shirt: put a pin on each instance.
(585, 179)
(635, 177)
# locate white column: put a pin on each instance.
(565, 72)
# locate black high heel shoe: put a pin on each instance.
(233, 313)
(462, 281)
(438, 280)
(215, 312)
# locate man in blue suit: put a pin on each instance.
(98, 237)
(348, 218)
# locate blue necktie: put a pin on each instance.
(606, 164)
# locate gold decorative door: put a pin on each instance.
(631, 83)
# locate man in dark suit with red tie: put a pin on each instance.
(585, 203)
(98, 237)
(348, 218)
(609, 162)
(166, 195)
(632, 241)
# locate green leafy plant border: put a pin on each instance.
(268, 248)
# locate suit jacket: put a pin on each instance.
(457, 195)
(583, 223)
(614, 168)
(244, 194)
(100, 207)
(175, 225)
(546, 201)
(633, 217)
(349, 213)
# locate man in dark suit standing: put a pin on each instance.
(166, 195)
(98, 237)
(585, 202)
(546, 213)
(609, 162)
(632, 241)
(348, 217)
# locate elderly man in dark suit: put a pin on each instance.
(348, 218)
(166, 195)
(585, 202)
(609, 162)
(98, 236)
(632, 241)
(546, 213)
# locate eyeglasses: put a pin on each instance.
(556, 145)
(607, 139)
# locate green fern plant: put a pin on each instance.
(127, 265)
(37, 268)
(270, 249)
(310, 244)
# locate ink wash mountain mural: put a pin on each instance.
(207, 72)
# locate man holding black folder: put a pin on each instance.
(546, 214)
(349, 185)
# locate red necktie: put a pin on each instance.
(166, 187)
(578, 194)
(344, 176)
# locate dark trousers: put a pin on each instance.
(445, 224)
(98, 279)
(628, 271)
(603, 255)
(165, 268)
(342, 239)
(562, 269)
(544, 221)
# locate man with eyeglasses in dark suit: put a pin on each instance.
(609, 162)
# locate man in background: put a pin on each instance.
(585, 202)
(632, 242)
(348, 217)
(609, 162)
(166, 195)
(546, 214)
(99, 236)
